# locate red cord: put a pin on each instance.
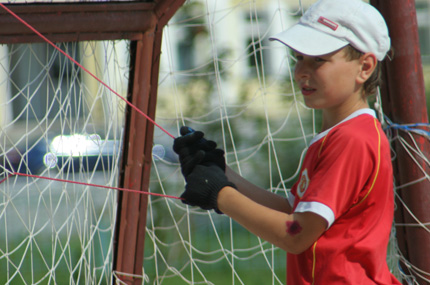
(88, 184)
(110, 89)
(83, 68)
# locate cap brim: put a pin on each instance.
(309, 41)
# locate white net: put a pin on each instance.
(220, 74)
(58, 123)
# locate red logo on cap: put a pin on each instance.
(326, 22)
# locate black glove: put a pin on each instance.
(203, 186)
(194, 149)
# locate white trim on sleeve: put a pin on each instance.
(317, 208)
(291, 199)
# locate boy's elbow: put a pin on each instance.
(294, 246)
(302, 232)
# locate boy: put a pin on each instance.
(336, 224)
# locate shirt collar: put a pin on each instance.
(357, 113)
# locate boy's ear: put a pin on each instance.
(368, 65)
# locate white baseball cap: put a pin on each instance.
(329, 25)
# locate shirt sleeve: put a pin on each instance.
(290, 198)
(317, 208)
(340, 172)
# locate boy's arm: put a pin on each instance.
(193, 149)
(257, 194)
(209, 188)
(293, 233)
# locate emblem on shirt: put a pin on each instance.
(303, 183)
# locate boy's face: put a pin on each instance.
(330, 82)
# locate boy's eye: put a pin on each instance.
(299, 57)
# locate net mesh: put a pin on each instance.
(59, 123)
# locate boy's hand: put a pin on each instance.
(203, 186)
(194, 149)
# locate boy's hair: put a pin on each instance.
(375, 80)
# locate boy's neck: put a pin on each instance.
(330, 117)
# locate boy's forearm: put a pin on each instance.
(293, 233)
(258, 194)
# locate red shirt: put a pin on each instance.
(347, 179)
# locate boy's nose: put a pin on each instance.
(301, 71)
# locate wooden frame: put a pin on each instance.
(142, 23)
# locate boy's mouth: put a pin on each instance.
(306, 90)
